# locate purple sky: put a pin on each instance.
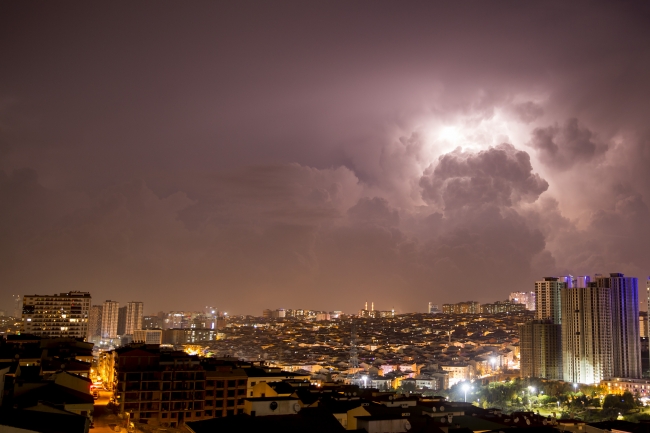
(316, 155)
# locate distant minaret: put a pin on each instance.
(366, 308)
(372, 307)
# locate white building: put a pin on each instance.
(547, 299)
(109, 319)
(62, 315)
(134, 315)
(586, 334)
(148, 336)
(458, 373)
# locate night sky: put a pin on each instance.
(251, 155)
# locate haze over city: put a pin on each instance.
(321, 155)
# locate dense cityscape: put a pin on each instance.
(481, 364)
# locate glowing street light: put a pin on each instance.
(465, 388)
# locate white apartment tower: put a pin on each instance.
(626, 346)
(134, 315)
(547, 299)
(62, 315)
(586, 334)
(110, 319)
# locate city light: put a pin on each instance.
(465, 388)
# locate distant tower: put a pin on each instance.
(18, 306)
(372, 306)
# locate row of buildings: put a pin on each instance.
(585, 330)
(109, 320)
(473, 307)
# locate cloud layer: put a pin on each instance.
(321, 155)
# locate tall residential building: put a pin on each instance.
(62, 315)
(134, 315)
(18, 306)
(547, 298)
(586, 334)
(626, 343)
(526, 298)
(541, 350)
(121, 320)
(109, 319)
(95, 321)
(647, 289)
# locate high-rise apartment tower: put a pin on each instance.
(626, 346)
(134, 315)
(110, 318)
(586, 334)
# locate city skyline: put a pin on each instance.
(321, 154)
(543, 295)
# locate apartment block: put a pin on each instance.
(469, 307)
(110, 316)
(62, 315)
(541, 350)
(587, 334)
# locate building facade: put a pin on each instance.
(626, 338)
(62, 315)
(110, 315)
(148, 336)
(541, 350)
(134, 316)
(469, 307)
(586, 334)
(95, 321)
(502, 307)
(548, 304)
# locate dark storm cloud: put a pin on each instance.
(374, 210)
(564, 146)
(292, 154)
(501, 175)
